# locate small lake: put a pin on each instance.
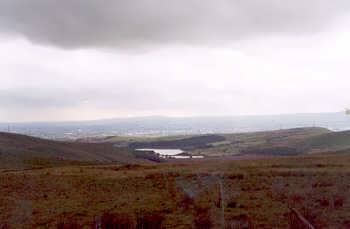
(164, 152)
(170, 152)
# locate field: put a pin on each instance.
(254, 193)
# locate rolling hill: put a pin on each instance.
(288, 142)
(164, 126)
(279, 143)
(330, 142)
(189, 143)
(20, 151)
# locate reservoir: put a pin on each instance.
(170, 153)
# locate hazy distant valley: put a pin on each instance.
(167, 126)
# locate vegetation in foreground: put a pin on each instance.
(208, 194)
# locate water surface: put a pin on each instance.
(173, 153)
(164, 152)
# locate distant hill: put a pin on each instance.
(20, 151)
(330, 142)
(166, 126)
(289, 142)
(280, 142)
(189, 143)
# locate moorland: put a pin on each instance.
(277, 179)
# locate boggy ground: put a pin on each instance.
(210, 194)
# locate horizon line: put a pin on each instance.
(167, 117)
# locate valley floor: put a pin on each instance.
(209, 194)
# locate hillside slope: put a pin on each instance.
(22, 151)
(280, 142)
(189, 143)
(330, 142)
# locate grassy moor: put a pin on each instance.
(255, 193)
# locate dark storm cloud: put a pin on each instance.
(123, 23)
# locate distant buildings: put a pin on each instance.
(347, 111)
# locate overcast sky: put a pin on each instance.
(92, 59)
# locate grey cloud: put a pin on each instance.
(30, 98)
(124, 23)
(105, 98)
(62, 98)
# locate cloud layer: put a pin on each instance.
(135, 23)
(85, 59)
(271, 76)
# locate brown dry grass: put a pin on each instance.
(255, 194)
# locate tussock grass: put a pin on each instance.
(210, 194)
